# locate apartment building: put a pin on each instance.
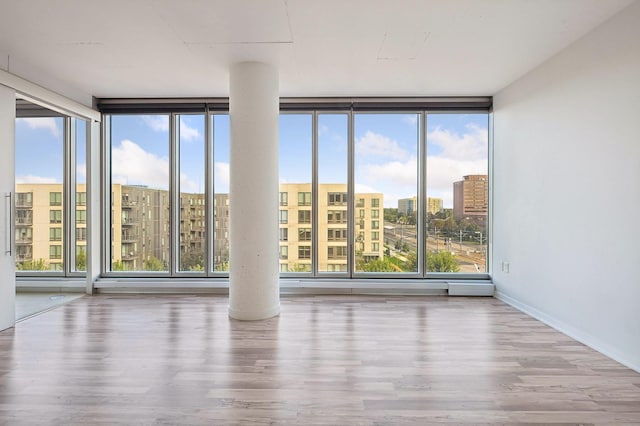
(408, 206)
(296, 218)
(39, 219)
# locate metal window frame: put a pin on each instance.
(315, 107)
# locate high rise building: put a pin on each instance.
(471, 198)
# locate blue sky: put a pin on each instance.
(385, 145)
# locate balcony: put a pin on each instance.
(129, 237)
(24, 239)
(24, 221)
(24, 257)
(24, 204)
(127, 204)
(128, 256)
(129, 221)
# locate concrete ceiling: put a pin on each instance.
(168, 48)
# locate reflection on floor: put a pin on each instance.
(30, 303)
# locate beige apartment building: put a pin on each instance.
(296, 222)
(39, 225)
(140, 227)
(408, 206)
(471, 198)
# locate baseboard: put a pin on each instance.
(579, 335)
(471, 289)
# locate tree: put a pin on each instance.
(118, 266)
(390, 215)
(154, 264)
(32, 265)
(81, 261)
(442, 261)
(300, 267)
(193, 261)
(222, 267)
(378, 265)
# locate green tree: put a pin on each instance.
(378, 265)
(442, 261)
(193, 261)
(32, 265)
(222, 267)
(300, 267)
(154, 264)
(118, 265)
(81, 261)
(390, 215)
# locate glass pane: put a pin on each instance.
(386, 172)
(332, 192)
(39, 187)
(140, 192)
(295, 181)
(192, 193)
(221, 140)
(80, 127)
(457, 192)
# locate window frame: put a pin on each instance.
(350, 110)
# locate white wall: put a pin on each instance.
(567, 189)
(7, 184)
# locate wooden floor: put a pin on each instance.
(327, 360)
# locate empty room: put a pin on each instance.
(295, 212)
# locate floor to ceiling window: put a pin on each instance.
(333, 193)
(457, 192)
(364, 193)
(140, 208)
(221, 139)
(296, 205)
(385, 178)
(192, 217)
(50, 205)
(169, 185)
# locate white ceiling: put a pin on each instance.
(158, 48)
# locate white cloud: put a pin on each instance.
(360, 188)
(221, 176)
(81, 173)
(470, 146)
(158, 123)
(411, 120)
(132, 165)
(374, 144)
(36, 179)
(46, 123)
(396, 172)
(188, 185)
(188, 133)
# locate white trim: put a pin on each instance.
(579, 335)
(471, 289)
(44, 97)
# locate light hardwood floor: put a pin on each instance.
(328, 360)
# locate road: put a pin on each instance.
(468, 254)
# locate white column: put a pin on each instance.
(7, 216)
(254, 271)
